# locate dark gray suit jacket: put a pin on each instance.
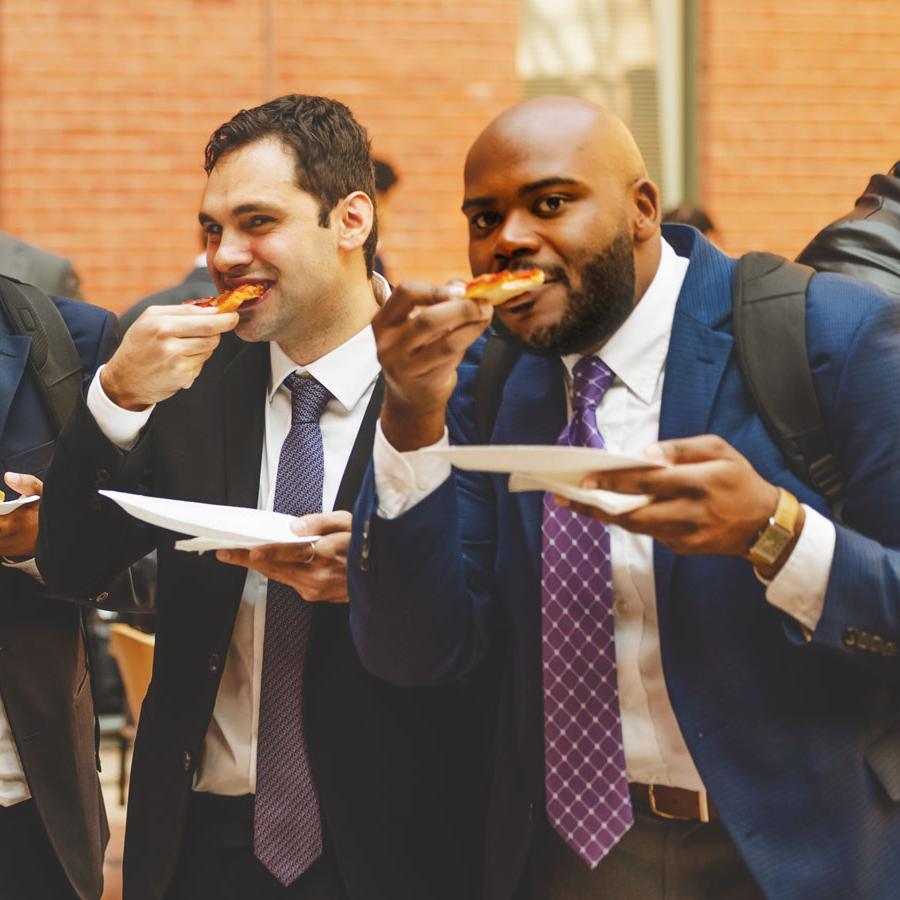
(52, 273)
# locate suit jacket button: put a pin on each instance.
(187, 761)
(849, 637)
(213, 663)
(102, 476)
(531, 812)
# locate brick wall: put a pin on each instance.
(106, 105)
(800, 103)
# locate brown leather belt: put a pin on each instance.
(672, 802)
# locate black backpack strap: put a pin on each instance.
(769, 310)
(496, 363)
(53, 359)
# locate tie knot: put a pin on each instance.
(308, 398)
(591, 378)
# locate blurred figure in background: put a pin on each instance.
(197, 283)
(52, 273)
(689, 214)
(385, 180)
(865, 243)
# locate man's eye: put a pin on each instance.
(213, 232)
(259, 221)
(552, 204)
(484, 220)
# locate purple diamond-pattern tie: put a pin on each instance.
(584, 760)
(287, 830)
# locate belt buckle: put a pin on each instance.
(702, 807)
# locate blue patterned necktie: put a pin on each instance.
(287, 830)
(584, 761)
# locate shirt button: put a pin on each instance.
(622, 607)
(627, 701)
(186, 762)
(213, 663)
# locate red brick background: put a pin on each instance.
(106, 106)
(800, 103)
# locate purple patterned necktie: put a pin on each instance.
(287, 830)
(587, 786)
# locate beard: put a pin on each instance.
(592, 314)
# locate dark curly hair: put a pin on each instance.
(331, 149)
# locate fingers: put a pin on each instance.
(26, 485)
(184, 322)
(410, 294)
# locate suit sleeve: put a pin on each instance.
(422, 585)
(861, 616)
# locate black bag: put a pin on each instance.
(769, 313)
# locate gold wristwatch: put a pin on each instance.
(778, 531)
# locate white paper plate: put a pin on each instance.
(236, 526)
(8, 506)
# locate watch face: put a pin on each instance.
(771, 543)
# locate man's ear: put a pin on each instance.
(645, 210)
(353, 217)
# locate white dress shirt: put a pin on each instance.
(227, 763)
(628, 418)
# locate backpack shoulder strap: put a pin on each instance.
(769, 311)
(496, 363)
(53, 359)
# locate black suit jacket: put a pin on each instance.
(44, 678)
(198, 283)
(864, 244)
(392, 766)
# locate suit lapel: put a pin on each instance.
(699, 351)
(361, 453)
(14, 349)
(245, 383)
(533, 411)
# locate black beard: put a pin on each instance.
(593, 314)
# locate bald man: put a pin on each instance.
(697, 696)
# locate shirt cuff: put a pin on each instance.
(800, 586)
(28, 566)
(405, 479)
(121, 426)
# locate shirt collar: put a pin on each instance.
(347, 371)
(637, 351)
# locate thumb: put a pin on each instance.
(679, 451)
(26, 485)
(322, 523)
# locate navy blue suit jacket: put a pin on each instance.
(44, 677)
(798, 742)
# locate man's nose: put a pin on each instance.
(516, 238)
(232, 250)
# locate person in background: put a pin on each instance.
(385, 180)
(865, 243)
(53, 827)
(53, 274)
(699, 695)
(689, 214)
(268, 763)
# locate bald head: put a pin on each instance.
(542, 124)
(559, 183)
